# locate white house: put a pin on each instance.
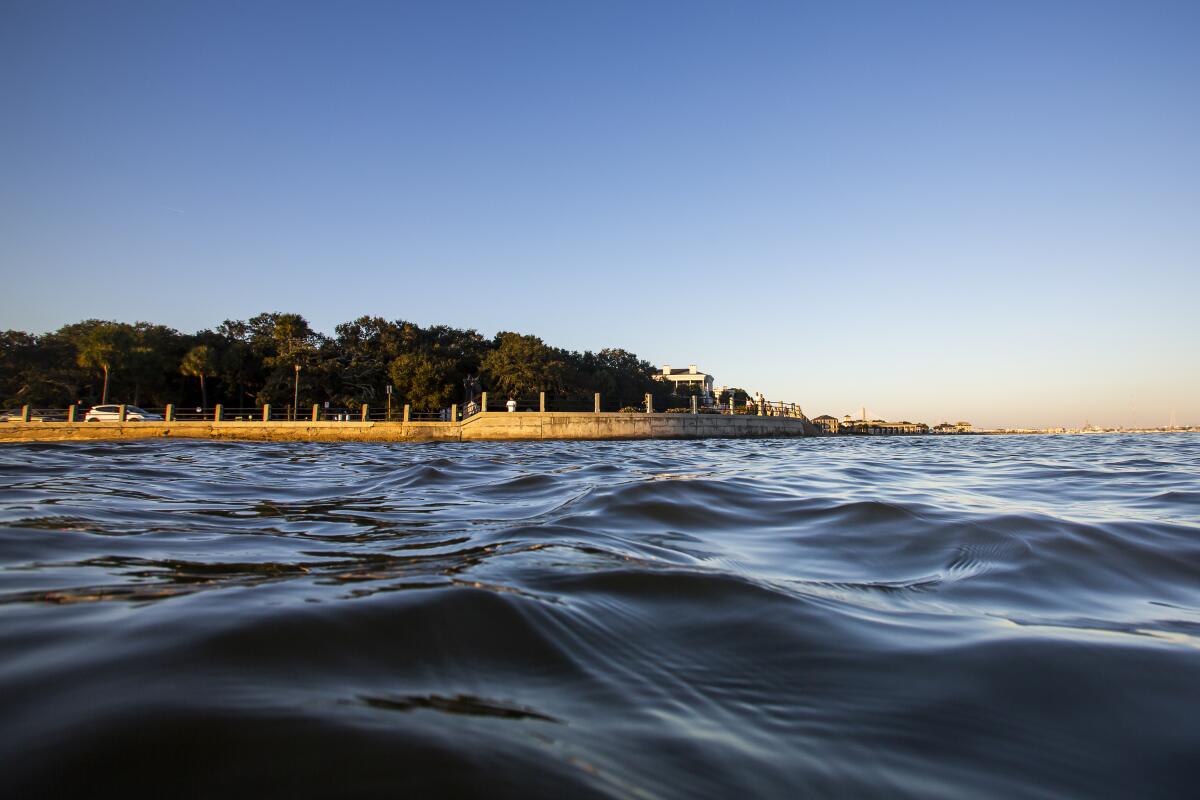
(688, 381)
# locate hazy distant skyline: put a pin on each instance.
(935, 210)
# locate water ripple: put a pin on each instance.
(924, 617)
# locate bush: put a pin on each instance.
(632, 410)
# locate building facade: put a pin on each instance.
(880, 427)
(827, 424)
(688, 381)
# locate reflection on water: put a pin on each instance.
(984, 616)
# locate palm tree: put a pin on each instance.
(199, 362)
(99, 348)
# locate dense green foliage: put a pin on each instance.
(251, 362)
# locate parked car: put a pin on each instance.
(113, 414)
(35, 415)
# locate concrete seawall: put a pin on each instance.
(491, 426)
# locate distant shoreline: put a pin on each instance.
(1081, 431)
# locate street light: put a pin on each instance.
(296, 396)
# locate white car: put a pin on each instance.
(113, 414)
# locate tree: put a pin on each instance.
(37, 370)
(424, 380)
(241, 364)
(361, 355)
(236, 368)
(101, 347)
(153, 351)
(200, 362)
(255, 359)
(280, 342)
(523, 365)
(630, 375)
(738, 394)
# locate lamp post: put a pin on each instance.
(296, 394)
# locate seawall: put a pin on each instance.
(490, 426)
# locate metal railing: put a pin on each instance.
(30, 414)
(401, 414)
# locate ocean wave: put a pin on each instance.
(934, 617)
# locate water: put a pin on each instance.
(922, 617)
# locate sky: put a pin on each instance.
(933, 210)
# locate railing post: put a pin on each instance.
(218, 412)
(454, 413)
(541, 402)
(121, 413)
(407, 412)
(483, 403)
(24, 413)
(266, 412)
(71, 412)
(366, 415)
(169, 413)
(649, 403)
(694, 405)
(316, 411)
(597, 402)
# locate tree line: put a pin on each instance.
(252, 362)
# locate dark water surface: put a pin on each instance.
(903, 617)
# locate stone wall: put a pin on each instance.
(492, 426)
(552, 425)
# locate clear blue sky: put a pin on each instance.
(973, 210)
